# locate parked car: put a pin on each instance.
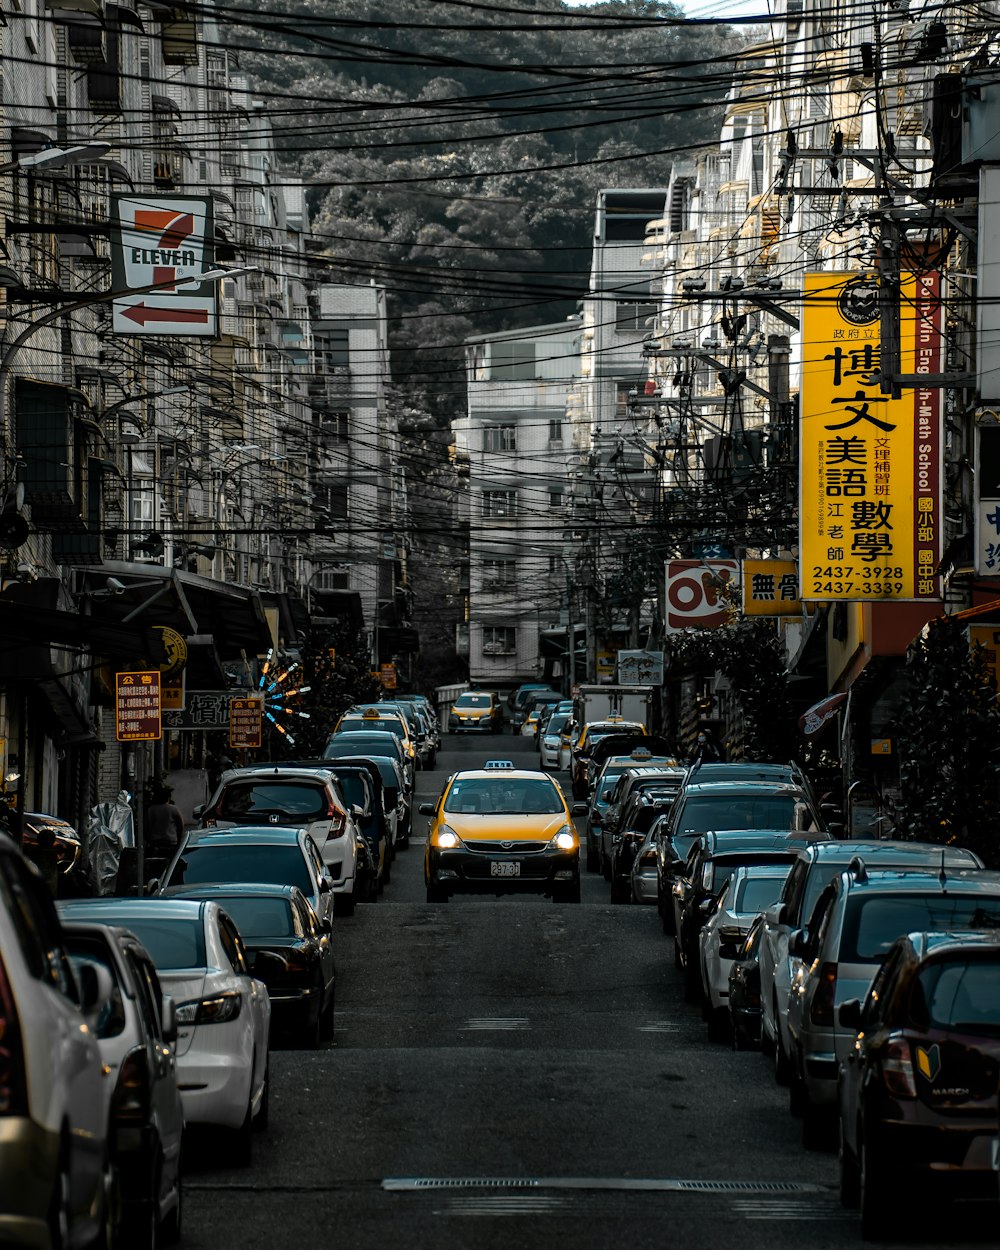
(292, 798)
(136, 1032)
(369, 744)
(516, 698)
(57, 1176)
(643, 875)
(611, 768)
(553, 740)
(742, 898)
(815, 867)
(531, 699)
(664, 779)
(744, 991)
(379, 718)
(223, 1013)
(501, 829)
(395, 799)
(856, 919)
(917, 1093)
(266, 854)
(639, 816)
(288, 948)
(590, 734)
(712, 860)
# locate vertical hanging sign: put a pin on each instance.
(137, 707)
(869, 465)
(166, 241)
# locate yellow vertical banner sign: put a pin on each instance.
(869, 465)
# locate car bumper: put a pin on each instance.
(942, 1152)
(644, 886)
(214, 1086)
(461, 871)
(29, 1161)
(549, 756)
(484, 726)
(294, 1008)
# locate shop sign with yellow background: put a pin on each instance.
(869, 465)
(771, 588)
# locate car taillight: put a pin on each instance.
(132, 1093)
(13, 1083)
(897, 1069)
(337, 822)
(821, 1011)
(219, 1009)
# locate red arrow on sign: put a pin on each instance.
(141, 313)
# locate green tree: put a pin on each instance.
(949, 743)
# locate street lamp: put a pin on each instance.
(58, 158)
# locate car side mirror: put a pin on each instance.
(325, 885)
(168, 1019)
(579, 809)
(96, 988)
(326, 926)
(798, 943)
(426, 809)
(776, 914)
(198, 811)
(152, 887)
(358, 812)
(849, 1014)
(837, 829)
(706, 906)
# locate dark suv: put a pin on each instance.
(918, 1089)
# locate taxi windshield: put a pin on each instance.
(473, 700)
(503, 796)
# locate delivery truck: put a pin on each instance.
(631, 703)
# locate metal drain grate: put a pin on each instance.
(414, 1184)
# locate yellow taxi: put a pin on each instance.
(373, 717)
(502, 830)
(475, 711)
(591, 733)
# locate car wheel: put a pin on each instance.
(678, 962)
(142, 1227)
(692, 982)
(329, 1022)
(343, 904)
(312, 1032)
(850, 1174)
(737, 1034)
(875, 1197)
(781, 1072)
(567, 893)
(436, 894)
(263, 1116)
(111, 1210)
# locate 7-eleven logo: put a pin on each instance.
(168, 230)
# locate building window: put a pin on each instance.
(556, 566)
(499, 640)
(634, 315)
(556, 499)
(333, 427)
(332, 500)
(333, 579)
(512, 361)
(498, 574)
(499, 503)
(555, 429)
(332, 351)
(625, 393)
(500, 438)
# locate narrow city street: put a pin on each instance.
(515, 1073)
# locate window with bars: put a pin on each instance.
(498, 504)
(332, 498)
(499, 640)
(500, 438)
(623, 397)
(555, 430)
(334, 427)
(332, 351)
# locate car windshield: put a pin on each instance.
(250, 799)
(705, 812)
(203, 864)
(473, 700)
(596, 732)
(259, 917)
(357, 743)
(352, 787)
(602, 795)
(963, 995)
(503, 796)
(172, 941)
(557, 723)
(872, 924)
(756, 893)
(723, 869)
(386, 724)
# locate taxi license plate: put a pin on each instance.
(499, 869)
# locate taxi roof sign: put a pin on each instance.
(499, 764)
(371, 713)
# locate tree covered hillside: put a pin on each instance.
(454, 147)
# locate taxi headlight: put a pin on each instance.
(565, 839)
(447, 838)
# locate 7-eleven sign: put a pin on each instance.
(164, 240)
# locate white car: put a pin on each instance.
(136, 1031)
(56, 1172)
(304, 798)
(744, 896)
(223, 1013)
(554, 740)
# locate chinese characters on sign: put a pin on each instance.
(245, 717)
(640, 668)
(870, 494)
(203, 709)
(987, 500)
(137, 707)
(771, 588)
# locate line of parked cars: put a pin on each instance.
(158, 1011)
(867, 971)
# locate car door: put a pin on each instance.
(256, 993)
(312, 925)
(775, 972)
(167, 1114)
(322, 898)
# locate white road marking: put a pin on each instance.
(489, 1024)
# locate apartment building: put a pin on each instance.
(516, 443)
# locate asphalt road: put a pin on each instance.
(511, 1073)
